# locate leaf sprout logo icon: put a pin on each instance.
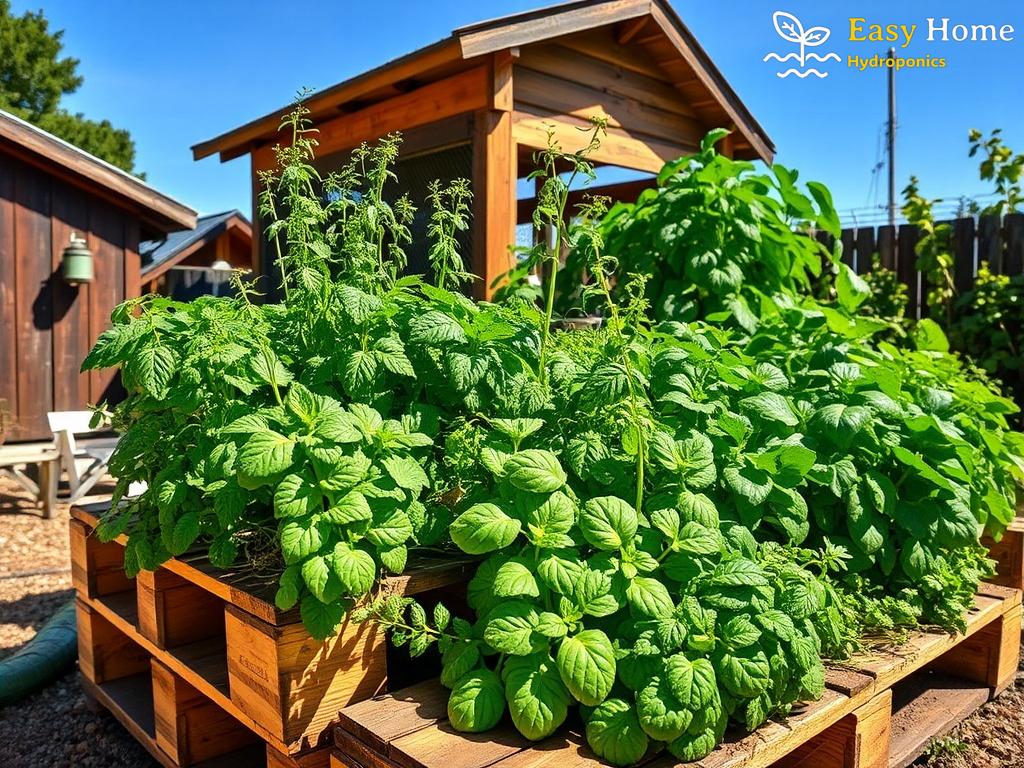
(791, 29)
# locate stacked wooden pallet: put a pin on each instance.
(203, 669)
(879, 710)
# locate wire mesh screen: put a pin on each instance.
(414, 174)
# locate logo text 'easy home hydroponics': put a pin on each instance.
(932, 30)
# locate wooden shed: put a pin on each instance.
(480, 102)
(49, 189)
(178, 264)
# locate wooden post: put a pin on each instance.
(990, 656)
(190, 728)
(1008, 553)
(292, 685)
(494, 180)
(173, 611)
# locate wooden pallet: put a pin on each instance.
(879, 710)
(200, 664)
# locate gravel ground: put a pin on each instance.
(57, 727)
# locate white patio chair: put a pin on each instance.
(84, 461)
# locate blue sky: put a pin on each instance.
(176, 74)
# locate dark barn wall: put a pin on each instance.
(46, 325)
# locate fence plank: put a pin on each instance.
(1013, 228)
(886, 245)
(865, 249)
(963, 254)
(906, 266)
(990, 242)
(848, 250)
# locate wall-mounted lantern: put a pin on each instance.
(76, 263)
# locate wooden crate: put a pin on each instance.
(198, 662)
(879, 710)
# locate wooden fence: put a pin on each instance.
(985, 238)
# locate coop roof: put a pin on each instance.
(63, 159)
(159, 255)
(640, 22)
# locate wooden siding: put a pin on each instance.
(46, 325)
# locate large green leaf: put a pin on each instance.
(586, 663)
(484, 528)
(608, 522)
(614, 733)
(477, 702)
(535, 470)
(537, 699)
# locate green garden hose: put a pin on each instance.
(43, 658)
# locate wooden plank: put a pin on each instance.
(239, 141)
(132, 260)
(774, 739)
(990, 242)
(886, 246)
(848, 239)
(927, 706)
(561, 96)
(442, 745)
(1013, 230)
(465, 92)
(382, 719)
(849, 682)
(97, 568)
(858, 740)
(104, 651)
(33, 301)
(190, 728)
(106, 241)
(8, 289)
(495, 171)
(600, 44)
(531, 130)
(865, 246)
(1008, 553)
(71, 342)
(989, 656)
(320, 758)
(606, 78)
(173, 611)
(906, 266)
(625, 191)
(544, 24)
(963, 254)
(294, 686)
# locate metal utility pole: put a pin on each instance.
(891, 141)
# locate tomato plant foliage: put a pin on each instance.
(677, 514)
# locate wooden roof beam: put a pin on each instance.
(630, 29)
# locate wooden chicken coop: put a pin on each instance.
(480, 102)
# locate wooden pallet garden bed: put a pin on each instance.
(879, 710)
(200, 665)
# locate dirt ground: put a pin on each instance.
(56, 727)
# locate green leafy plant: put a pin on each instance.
(676, 520)
(719, 240)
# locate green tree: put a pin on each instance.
(33, 78)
